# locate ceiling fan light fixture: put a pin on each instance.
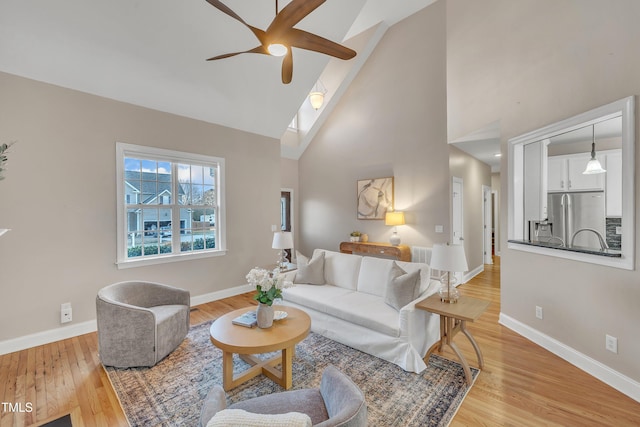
(277, 49)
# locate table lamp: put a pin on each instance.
(394, 218)
(282, 240)
(449, 258)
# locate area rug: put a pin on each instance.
(171, 393)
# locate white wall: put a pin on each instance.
(59, 199)
(390, 122)
(528, 64)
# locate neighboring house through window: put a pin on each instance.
(170, 205)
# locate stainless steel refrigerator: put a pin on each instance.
(570, 212)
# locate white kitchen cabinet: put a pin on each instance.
(565, 173)
(579, 182)
(613, 193)
(535, 183)
(557, 173)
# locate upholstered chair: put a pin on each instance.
(338, 402)
(139, 323)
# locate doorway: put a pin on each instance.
(286, 214)
(457, 217)
(487, 223)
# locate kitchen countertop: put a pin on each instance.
(613, 253)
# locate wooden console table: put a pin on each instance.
(400, 252)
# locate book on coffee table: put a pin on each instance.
(247, 319)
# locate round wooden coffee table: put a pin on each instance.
(246, 342)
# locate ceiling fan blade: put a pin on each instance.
(223, 8)
(287, 68)
(305, 40)
(291, 14)
(259, 49)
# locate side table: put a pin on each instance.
(453, 319)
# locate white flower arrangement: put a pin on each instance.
(269, 284)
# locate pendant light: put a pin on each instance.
(316, 96)
(593, 165)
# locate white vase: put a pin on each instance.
(264, 316)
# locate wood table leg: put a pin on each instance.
(449, 327)
(227, 370)
(476, 347)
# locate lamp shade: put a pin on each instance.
(448, 258)
(316, 99)
(282, 240)
(394, 218)
(593, 167)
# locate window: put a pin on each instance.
(170, 205)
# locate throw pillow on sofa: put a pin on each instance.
(403, 288)
(311, 273)
(241, 418)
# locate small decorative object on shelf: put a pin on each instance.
(449, 258)
(355, 236)
(269, 285)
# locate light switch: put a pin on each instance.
(439, 229)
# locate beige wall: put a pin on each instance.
(390, 122)
(474, 175)
(528, 64)
(59, 199)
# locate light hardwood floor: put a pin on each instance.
(521, 384)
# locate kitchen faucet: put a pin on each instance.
(603, 243)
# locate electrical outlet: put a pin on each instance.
(439, 229)
(66, 313)
(611, 344)
(538, 312)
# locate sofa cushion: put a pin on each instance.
(311, 273)
(425, 272)
(341, 269)
(403, 289)
(366, 310)
(241, 418)
(313, 296)
(376, 274)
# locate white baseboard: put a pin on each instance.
(73, 330)
(225, 293)
(591, 366)
(472, 273)
(45, 337)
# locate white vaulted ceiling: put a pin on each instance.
(152, 53)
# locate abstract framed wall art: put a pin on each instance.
(375, 197)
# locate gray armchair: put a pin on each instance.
(338, 402)
(139, 323)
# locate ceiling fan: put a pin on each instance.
(280, 37)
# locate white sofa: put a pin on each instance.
(350, 308)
